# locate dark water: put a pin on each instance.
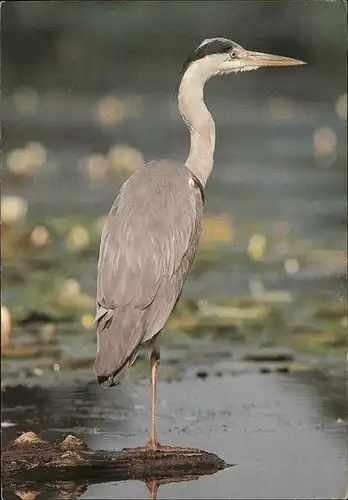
(285, 442)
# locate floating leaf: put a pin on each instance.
(109, 111)
(13, 210)
(87, 321)
(216, 230)
(257, 246)
(94, 167)
(5, 327)
(77, 238)
(291, 266)
(39, 236)
(123, 158)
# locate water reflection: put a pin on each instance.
(70, 490)
(273, 426)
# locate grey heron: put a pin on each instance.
(151, 234)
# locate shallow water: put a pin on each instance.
(273, 427)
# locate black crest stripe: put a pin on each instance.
(213, 46)
(199, 185)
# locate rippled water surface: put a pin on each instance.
(283, 440)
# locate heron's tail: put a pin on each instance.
(120, 333)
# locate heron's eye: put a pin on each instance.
(233, 54)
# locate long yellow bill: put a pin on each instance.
(260, 59)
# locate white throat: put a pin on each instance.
(198, 119)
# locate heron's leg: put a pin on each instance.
(153, 445)
(155, 358)
(152, 486)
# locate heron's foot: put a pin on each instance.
(155, 446)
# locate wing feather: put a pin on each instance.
(145, 237)
(147, 247)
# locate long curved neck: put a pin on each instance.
(199, 121)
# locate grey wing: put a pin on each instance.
(147, 247)
(170, 289)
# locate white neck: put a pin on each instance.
(198, 119)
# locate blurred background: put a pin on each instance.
(88, 97)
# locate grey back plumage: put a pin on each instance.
(147, 247)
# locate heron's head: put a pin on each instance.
(217, 56)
